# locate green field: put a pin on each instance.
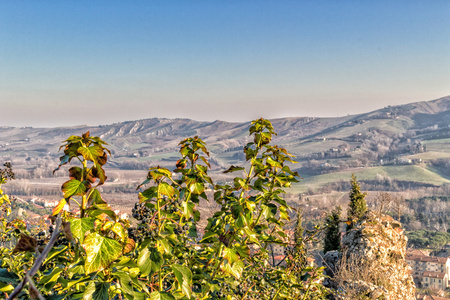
(439, 145)
(429, 155)
(416, 173)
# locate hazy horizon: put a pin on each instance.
(73, 63)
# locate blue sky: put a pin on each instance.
(99, 62)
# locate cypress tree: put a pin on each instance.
(332, 239)
(298, 233)
(299, 247)
(357, 206)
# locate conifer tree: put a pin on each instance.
(332, 239)
(298, 233)
(357, 206)
(299, 248)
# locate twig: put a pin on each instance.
(33, 286)
(39, 260)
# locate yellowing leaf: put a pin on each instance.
(100, 252)
(234, 269)
(118, 229)
(165, 189)
(91, 153)
(161, 296)
(58, 208)
(80, 227)
(196, 188)
(230, 254)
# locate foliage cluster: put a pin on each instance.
(332, 240)
(96, 255)
(428, 239)
(357, 206)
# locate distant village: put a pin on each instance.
(430, 271)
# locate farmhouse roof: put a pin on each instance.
(433, 259)
(431, 274)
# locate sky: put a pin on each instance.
(66, 63)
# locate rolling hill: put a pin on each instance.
(404, 144)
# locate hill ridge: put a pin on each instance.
(387, 136)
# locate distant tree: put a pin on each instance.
(357, 206)
(384, 202)
(332, 239)
(299, 248)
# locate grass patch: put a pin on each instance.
(416, 173)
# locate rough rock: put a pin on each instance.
(373, 261)
(330, 262)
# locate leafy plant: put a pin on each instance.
(99, 256)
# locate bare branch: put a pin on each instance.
(33, 287)
(39, 260)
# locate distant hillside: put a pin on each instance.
(414, 138)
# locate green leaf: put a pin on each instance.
(63, 160)
(95, 197)
(283, 213)
(241, 183)
(118, 229)
(185, 150)
(240, 222)
(184, 278)
(149, 260)
(56, 297)
(80, 227)
(273, 163)
(196, 188)
(268, 210)
(251, 235)
(164, 246)
(233, 169)
(244, 251)
(73, 187)
(149, 193)
(6, 288)
(161, 296)
(166, 172)
(91, 153)
(234, 269)
(207, 236)
(98, 209)
(52, 277)
(157, 173)
(8, 277)
(98, 172)
(96, 291)
(143, 183)
(230, 254)
(236, 210)
(279, 200)
(166, 189)
(100, 252)
(125, 282)
(76, 173)
(73, 282)
(76, 269)
(205, 161)
(188, 208)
